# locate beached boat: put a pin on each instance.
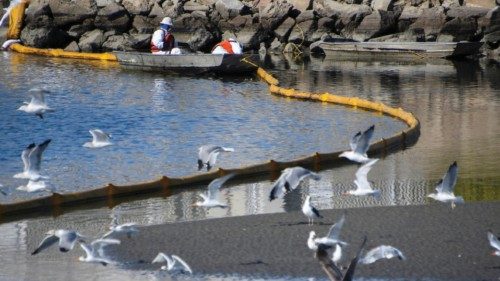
(396, 50)
(189, 63)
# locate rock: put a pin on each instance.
(431, 21)
(113, 16)
(447, 4)
(72, 47)
(144, 25)
(68, 12)
(274, 14)
(306, 16)
(302, 33)
(171, 9)
(126, 42)
(460, 29)
(492, 39)
(250, 38)
(334, 9)
(376, 24)
(237, 23)
(491, 21)
(192, 6)
(301, 5)
(466, 12)
(38, 14)
(104, 3)
(416, 2)
(384, 5)
(198, 32)
(202, 40)
(91, 41)
(284, 30)
(276, 47)
(324, 26)
(138, 7)
(76, 31)
(44, 37)
(157, 11)
(409, 15)
(229, 9)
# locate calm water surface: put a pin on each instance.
(158, 121)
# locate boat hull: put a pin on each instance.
(188, 63)
(400, 50)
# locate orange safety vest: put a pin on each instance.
(226, 45)
(168, 43)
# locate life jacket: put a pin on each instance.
(168, 42)
(226, 45)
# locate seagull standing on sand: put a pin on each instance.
(37, 104)
(289, 180)
(330, 240)
(174, 263)
(32, 159)
(495, 243)
(445, 187)
(207, 155)
(210, 198)
(362, 183)
(128, 228)
(94, 251)
(381, 252)
(99, 139)
(66, 239)
(359, 146)
(309, 210)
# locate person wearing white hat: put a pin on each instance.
(163, 42)
(229, 46)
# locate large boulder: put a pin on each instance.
(459, 29)
(229, 9)
(113, 17)
(250, 37)
(144, 25)
(44, 37)
(68, 12)
(408, 16)
(91, 41)
(376, 24)
(138, 7)
(38, 14)
(193, 5)
(303, 32)
(301, 5)
(324, 27)
(490, 25)
(77, 30)
(384, 5)
(274, 14)
(196, 31)
(431, 21)
(127, 42)
(334, 9)
(283, 31)
(466, 12)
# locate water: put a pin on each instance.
(158, 121)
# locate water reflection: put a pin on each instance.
(456, 102)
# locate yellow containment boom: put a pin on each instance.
(110, 193)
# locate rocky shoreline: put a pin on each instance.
(106, 25)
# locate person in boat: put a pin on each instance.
(163, 41)
(229, 46)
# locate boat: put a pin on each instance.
(400, 50)
(193, 64)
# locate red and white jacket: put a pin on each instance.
(162, 41)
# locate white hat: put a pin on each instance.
(166, 20)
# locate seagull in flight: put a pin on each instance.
(99, 139)
(445, 187)
(381, 252)
(37, 105)
(66, 239)
(174, 263)
(289, 180)
(210, 198)
(359, 146)
(128, 228)
(495, 243)
(330, 240)
(32, 158)
(362, 183)
(310, 211)
(207, 155)
(94, 251)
